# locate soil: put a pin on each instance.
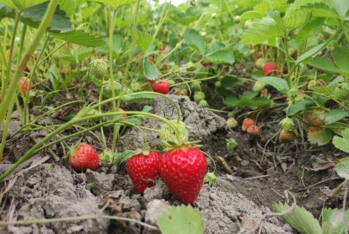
(250, 180)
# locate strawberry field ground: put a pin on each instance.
(208, 117)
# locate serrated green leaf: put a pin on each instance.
(262, 8)
(143, 41)
(80, 38)
(78, 56)
(332, 221)
(320, 9)
(341, 7)
(311, 52)
(195, 40)
(191, 15)
(299, 218)
(20, 5)
(149, 70)
(118, 46)
(308, 28)
(334, 115)
(6, 11)
(319, 136)
(299, 106)
(342, 143)
(215, 47)
(278, 83)
(68, 6)
(249, 15)
(221, 56)
(265, 29)
(229, 82)
(34, 15)
(231, 101)
(115, 3)
(296, 19)
(341, 58)
(342, 168)
(323, 63)
(140, 97)
(183, 219)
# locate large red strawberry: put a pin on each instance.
(183, 171)
(161, 87)
(82, 157)
(143, 170)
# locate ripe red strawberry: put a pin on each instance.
(143, 170)
(163, 47)
(122, 115)
(161, 87)
(183, 171)
(269, 68)
(82, 157)
(247, 123)
(252, 131)
(151, 59)
(25, 85)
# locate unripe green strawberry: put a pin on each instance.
(198, 96)
(261, 62)
(135, 86)
(232, 123)
(287, 124)
(98, 68)
(203, 103)
(218, 84)
(195, 85)
(167, 134)
(190, 66)
(341, 92)
(312, 84)
(258, 86)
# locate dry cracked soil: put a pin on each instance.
(249, 180)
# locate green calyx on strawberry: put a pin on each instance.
(108, 157)
(168, 136)
(341, 92)
(99, 68)
(161, 87)
(258, 86)
(287, 124)
(199, 96)
(82, 157)
(143, 169)
(183, 170)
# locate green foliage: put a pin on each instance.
(78, 56)
(299, 218)
(195, 40)
(150, 71)
(19, 5)
(80, 38)
(182, 219)
(342, 168)
(342, 143)
(115, 3)
(143, 41)
(221, 56)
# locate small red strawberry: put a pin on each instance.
(247, 123)
(143, 169)
(82, 157)
(269, 68)
(252, 131)
(163, 47)
(151, 59)
(25, 85)
(183, 171)
(161, 87)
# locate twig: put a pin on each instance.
(73, 219)
(289, 210)
(329, 179)
(344, 209)
(256, 177)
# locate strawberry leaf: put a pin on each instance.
(341, 56)
(299, 218)
(22, 5)
(311, 52)
(278, 83)
(296, 19)
(115, 3)
(342, 143)
(334, 115)
(319, 136)
(78, 56)
(183, 219)
(332, 220)
(195, 40)
(143, 41)
(139, 97)
(308, 28)
(150, 71)
(221, 56)
(80, 37)
(342, 168)
(299, 106)
(118, 46)
(249, 15)
(325, 64)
